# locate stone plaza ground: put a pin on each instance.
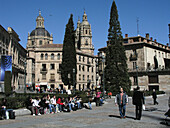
(106, 116)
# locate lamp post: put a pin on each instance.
(103, 61)
(137, 75)
(73, 81)
(25, 64)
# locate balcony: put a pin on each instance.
(133, 57)
(43, 70)
(52, 80)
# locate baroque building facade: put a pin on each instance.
(44, 57)
(148, 63)
(10, 46)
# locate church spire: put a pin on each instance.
(85, 16)
(40, 21)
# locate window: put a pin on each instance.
(88, 68)
(162, 55)
(92, 78)
(87, 77)
(135, 80)
(32, 42)
(92, 61)
(79, 58)
(42, 56)
(46, 56)
(83, 86)
(48, 42)
(58, 56)
(83, 67)
(92, 69)
(52, 56)
(43, 76)
(83, 77)
(159, 54)
(52, 76)
(86, 42)
(79, 87)
(52, 66)
(134, 65)
(40, 42)
(153, 79)
(44, 67)
(86, 31)
(79, 76)
(79, 67)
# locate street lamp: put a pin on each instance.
(73, 81)
(25, 64)
(103, 61)
(137, 75)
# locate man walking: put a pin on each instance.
(138, 101)
(154, 96)
(121, 100)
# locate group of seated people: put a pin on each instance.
(52, 105)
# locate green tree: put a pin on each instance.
(7, 82)
(116, 73)
(69, 61)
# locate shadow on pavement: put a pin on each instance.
(119, 116)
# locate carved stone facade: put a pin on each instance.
(148, 62)
(9, 45)
(44, 59)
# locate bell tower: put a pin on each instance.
(84, 38)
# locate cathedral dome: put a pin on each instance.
(40, 32)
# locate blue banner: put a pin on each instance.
(6, 65)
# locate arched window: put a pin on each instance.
(40, 42)
(42, 56)
(86, 42)
(46, 56)
(52, 56)
(58, 56)
(86, 31)
(79, 58)
(79, 67)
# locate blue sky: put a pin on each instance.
(154, 17)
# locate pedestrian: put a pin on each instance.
(138, 101)
(98, 93)
(154, 96)
(121, 100)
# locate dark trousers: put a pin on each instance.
(138, 111)
(97, 101)
(154, 101)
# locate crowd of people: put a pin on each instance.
(50, 105)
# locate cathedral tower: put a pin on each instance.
(84, 36)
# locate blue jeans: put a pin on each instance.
(122, 110)
(51, 106)
(59, 107)
(90, 105)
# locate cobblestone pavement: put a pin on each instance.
(106, 116)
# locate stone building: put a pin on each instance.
(148, 62)
(44, 57)
(9, 45)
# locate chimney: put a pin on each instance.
(147, 35)
(155, 40)
(126, 35)
(151, 38)
(167, 44)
